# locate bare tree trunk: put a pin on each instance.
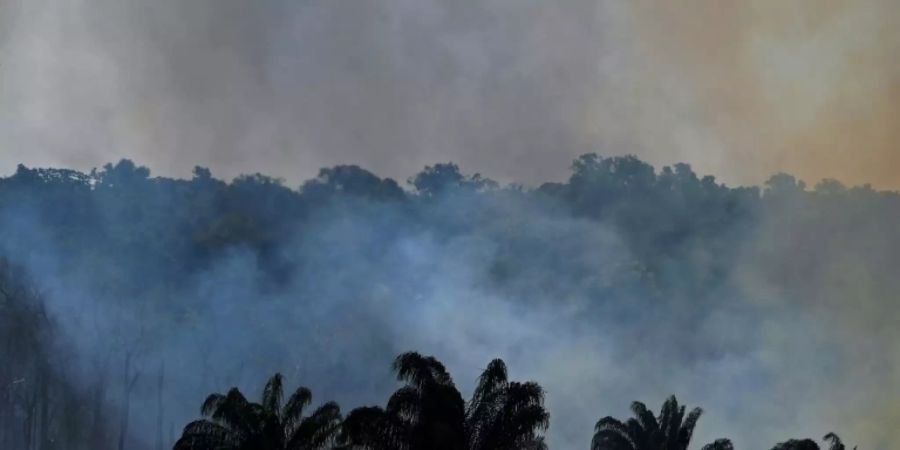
(28, 424)
(97, 438)
(5, 411)
(44, 399)
(123, 424)
(129, 381)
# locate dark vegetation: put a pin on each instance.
(428, 413)
(132, 242)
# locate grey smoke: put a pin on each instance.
(513, 89)
(796, 339)
(516, 89)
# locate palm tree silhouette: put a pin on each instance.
(719, 444)
(428, 412)
(797, 444)
(234, 423)
(834, 443)
(372, 428)
(672, 430)
(505, 415)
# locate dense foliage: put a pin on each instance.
(106, 276)
(429, 413)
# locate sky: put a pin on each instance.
(514, 89)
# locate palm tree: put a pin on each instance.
(428, 412)
(234, 423)
(672, 430)
(719, 444)
(797, 444)
(505, 415)
(834, 442)
(372, 428)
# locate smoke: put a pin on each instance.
(512, 88)
(779, 324)
(806, 87)
(798, 341)
(288, 87)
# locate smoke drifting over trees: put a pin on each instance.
(514, 88)
(128, 298)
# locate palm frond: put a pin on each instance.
(797, 444)
(491, 383)
(611, 434)
(491, 380)
(536, 443)
(719, 444)
(687, 427)
(672, 428)
(487, 400)
(206, 435)
(405, 403)
(645, 418)
(231, 410)
(318, 431)
(293, 409)
(272, 395)
(419, 371)
(639, 436)
(211, 404)
(371, 428)
(668, 410)
(525, 405)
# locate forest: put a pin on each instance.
(127, 298)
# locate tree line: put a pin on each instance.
(118, 247)
(428, 413)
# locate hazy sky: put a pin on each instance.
(514, 89)
(510, 88)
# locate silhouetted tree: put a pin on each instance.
(130, 242)
(442, 178)
(719, 444)
(351, 181)
(782, 184)
(834, 443)
(797, 444)
(234, 423)
(39, 406)
(505, 415)
(429, 413)
(671, 430)
(429, 408)
(372, 428)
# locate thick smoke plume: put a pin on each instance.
(772, 311)
(509, 87)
